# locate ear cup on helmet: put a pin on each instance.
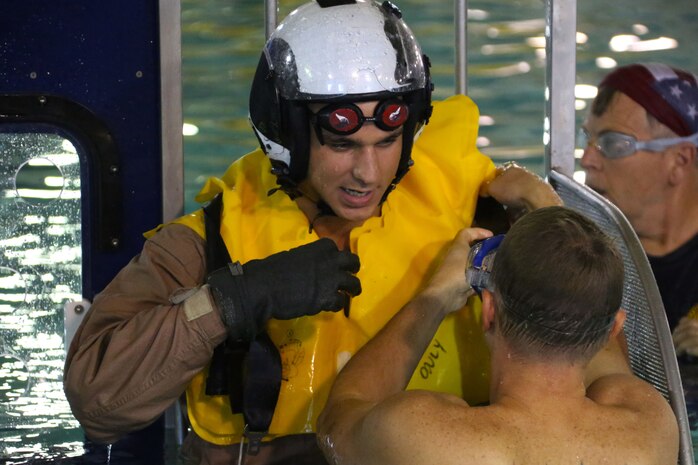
(295, 122)
(265, 112)
(278, 124)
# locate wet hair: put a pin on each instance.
(603, 100)
(558, 283)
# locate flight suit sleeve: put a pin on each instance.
(144, 338)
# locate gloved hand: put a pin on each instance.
(298, 282)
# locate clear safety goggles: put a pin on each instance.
(346, 118)
(618, 145)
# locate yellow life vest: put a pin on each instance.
(399, 251)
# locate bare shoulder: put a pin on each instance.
(640, 405)
(629, 392)
(419, 427)
(413, 410)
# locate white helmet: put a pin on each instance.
(334, 51)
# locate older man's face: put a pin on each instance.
(635, 183)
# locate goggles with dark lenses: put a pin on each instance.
(618, 145)
(346, 118)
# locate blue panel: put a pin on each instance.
(104, 56)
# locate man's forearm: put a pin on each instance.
(515, 186)
(385, 364)
(382, 368)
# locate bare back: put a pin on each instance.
(621, 421)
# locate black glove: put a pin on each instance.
(301, 281)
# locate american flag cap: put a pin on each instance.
(669, 94)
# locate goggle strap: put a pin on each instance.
(656, 145)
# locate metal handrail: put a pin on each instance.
(271, 10)
(461, 48)
(171, 112)
(560, 34)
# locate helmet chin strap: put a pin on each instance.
(323, 210)
(285, 184)
(294, 191)
(390, 188)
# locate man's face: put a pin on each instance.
(634, 183)
(352, 172)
